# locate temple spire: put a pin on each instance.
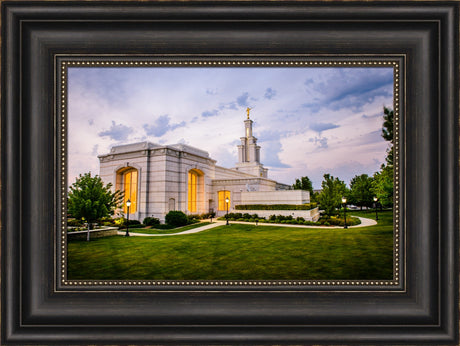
(249, 152)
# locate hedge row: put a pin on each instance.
(306, 206)
(351, 221)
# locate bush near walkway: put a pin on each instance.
(176, 218)
(325, 221)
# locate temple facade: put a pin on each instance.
(159, 178)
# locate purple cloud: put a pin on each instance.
(117, 132)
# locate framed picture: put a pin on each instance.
(232, 143)
(169, 150)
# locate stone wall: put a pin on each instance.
(275, 197)
(308, 215)
(95, 233)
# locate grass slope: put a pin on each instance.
(241, 252)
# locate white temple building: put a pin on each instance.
(159, 178)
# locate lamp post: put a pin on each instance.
(226, 201)
(128, 204)
(376, 213)
(344, 201)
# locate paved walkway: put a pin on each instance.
(190, 231)
(364, 223)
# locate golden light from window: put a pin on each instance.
(130, 190)
(192, 189)
(223, 195)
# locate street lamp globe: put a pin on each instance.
(128, 204)
(344, 201)
(226, 216)
(376, 208)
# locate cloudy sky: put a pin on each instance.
(308, 121)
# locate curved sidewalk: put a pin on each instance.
(364, 223)
(190, 231)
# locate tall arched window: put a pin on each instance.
(130, 190)
(222, 196)
(192, 190)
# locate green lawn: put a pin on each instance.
(241, 252)
(166, 231)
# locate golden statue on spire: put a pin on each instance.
(247, 111)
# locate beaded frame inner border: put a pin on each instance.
(62, 63)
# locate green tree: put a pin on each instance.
(361, 191)
(387, 132)
(382, 186)
(383, 180)
(331, 194)
(89, 199)
(304, 183)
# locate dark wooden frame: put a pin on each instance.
(36, 311)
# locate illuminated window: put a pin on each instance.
(222, 196)
(130, 189)
(192, 184)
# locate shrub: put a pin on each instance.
(74, 223)
(134, 222)
(335, 221)
(306, 206)
(106, 221)
(193, 219)
(234, 215)
(151, 221)
(120, 221)
(207, 215)
(176, 218)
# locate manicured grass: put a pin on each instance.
(385, 216)
(241, 252)
(167, 231)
